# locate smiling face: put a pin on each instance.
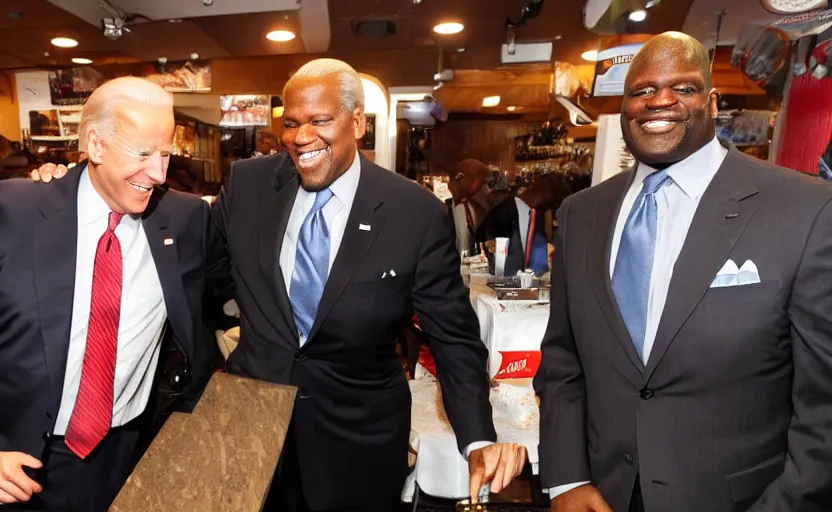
(126, 165)
(669, 110)
(319, 132)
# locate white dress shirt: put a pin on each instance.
(677, 202)
(524, 215)
(142, 317)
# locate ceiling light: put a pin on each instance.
(448, 28)
(511, 108)
(64, 42)
(639, 15)
(591, 55)
(280, 35)
(81, 60)
(490, 101)
(277, 112)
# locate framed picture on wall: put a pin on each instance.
(368, 142)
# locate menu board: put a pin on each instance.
(73, 86)
(240, 111)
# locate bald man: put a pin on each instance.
(687, 365)
(95, 269)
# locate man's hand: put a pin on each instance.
(15, 486)
(585, 498)
(46, 172)
(497, 464)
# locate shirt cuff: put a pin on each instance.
(554, 492)
(475, 446)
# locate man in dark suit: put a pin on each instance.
(94, 270)
(526, 220)
(687, 362)
(331, 255)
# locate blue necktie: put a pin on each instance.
(634, 264)
(311, 266)
(539, 261)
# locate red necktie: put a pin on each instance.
(530, 237)
(93, 411)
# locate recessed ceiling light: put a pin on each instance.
(280, 35)
(511, 108)
(64, 42)
(175, 20)
(81, 60)
(591, 55)
(448, 28)
(558, 38)
(639, 15)
(490, 101)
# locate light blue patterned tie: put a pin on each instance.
(311, 266)
(634, 264)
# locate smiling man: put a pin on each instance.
(331, 256)
(687, 362)
(92, 270)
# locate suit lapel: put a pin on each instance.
(720, 219)
(602, 231)
(273, 217)
(356, 242)
(55, 253)
(165, 252)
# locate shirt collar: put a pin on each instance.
(91, 207)
(693, 174)
(345, 187)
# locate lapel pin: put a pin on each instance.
(168, 241)
(731, 215)
(364, 227)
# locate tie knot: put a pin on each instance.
(321, 198)
(113, 220)
(654, 182)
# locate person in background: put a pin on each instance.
(100, 273)
(470, 202)
(687, 365)
(526, 220)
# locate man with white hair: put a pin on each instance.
(93, 269)
(331, 256)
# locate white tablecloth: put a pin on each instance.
(515, 326)
(441, 470)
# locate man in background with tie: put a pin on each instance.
(331, 255)
(95, 269)
(687, 365)
(526, 220)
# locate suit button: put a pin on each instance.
(300, 358)
(628, 458)
(49, 415)
(47, 436)
(646, 394)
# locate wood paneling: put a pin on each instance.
(490, 141)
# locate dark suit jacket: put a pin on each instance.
(503, 221)
(352, 415)
(733, 410)
(38, 232)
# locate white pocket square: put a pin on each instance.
(731, 275)
(390, 273)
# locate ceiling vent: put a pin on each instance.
(374, 28)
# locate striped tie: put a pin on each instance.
(93, 411)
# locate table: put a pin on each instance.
(440, 469)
